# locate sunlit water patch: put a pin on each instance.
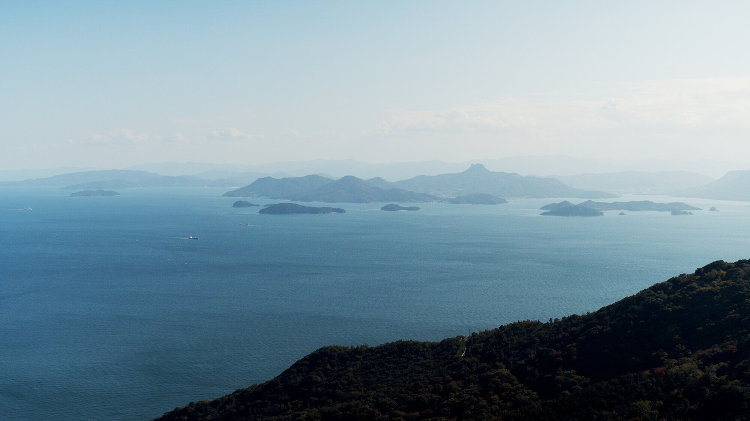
(109, 310)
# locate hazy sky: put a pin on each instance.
(116, 83)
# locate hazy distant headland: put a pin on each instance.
(638, 182)
(733, 186)
(112, 179)
(477, 199)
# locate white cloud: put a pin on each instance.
(685, 103)
(676, 104)
(685, 117)
(231, 133)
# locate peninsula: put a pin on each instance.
(392, 207)
(293, 208)
(87, 193)
(639, 205)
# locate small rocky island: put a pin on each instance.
(681, 212)
(392, 207)
(573, 210)
(293, 208)
(243, 204)
(87, 193)
(477, 199)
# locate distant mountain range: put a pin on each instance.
(475, 180)
(478, 179)
(554, 166)
(679, 350)
(329, 168)
(476, 184)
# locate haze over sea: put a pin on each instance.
(108, 310)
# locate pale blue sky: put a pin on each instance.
(116, 83)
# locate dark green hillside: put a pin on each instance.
(678, 350)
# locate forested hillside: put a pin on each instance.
(677, 350)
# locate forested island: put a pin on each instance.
(591, 208)
(677, 350)
(87, 193)
(293, 208)
(681, 212)
(573, 210)
(392, 207)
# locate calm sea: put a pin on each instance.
(109, 311)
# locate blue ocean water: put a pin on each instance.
(108, 310)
